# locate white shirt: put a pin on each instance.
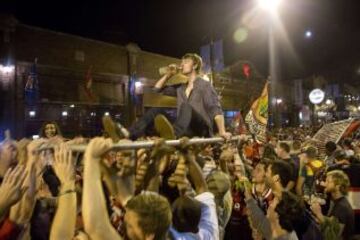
(208, 225)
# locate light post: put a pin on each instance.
(271, 7)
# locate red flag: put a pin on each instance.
(88, 84)
(246, 70)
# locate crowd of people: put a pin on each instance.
(278, 189)
(233, 190)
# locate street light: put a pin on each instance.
(308, 34)
(32, 113)
(269, 5)
(138, 84)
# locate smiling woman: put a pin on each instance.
(50, 129)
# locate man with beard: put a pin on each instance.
(337, 185)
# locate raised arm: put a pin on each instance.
(96, 221)
(63, 226)
(171, 71)
(195, 174)
(11, 189)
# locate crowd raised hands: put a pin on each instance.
(162, 192)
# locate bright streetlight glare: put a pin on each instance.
(269, 5)
(32, 113)
(138, 84)
(308, 34)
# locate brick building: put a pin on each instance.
(63, 62)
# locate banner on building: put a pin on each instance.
(257, 117)
(88, 84)
(32, 85)
(218, 55)
(213, 57)
(206, 57)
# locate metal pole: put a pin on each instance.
(146, 144)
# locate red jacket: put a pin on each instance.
(9, 230)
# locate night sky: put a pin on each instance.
(172, 27)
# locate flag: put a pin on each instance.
(246, 70)
(218, 55)
(257, 117)
(206, 57)
(332, 132)
(32, 86)
(88, 84)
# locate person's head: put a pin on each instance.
(50, 129)
(296, 146)
(347, 144)
(269, 152)
(219, 184)
(308, 154)
(282, 150)
(258, 175)
(186, 214)
(330, 148)
(337, 181)
(191, 63)
(278, 172)
(339, 156)
(148, 217)
(273, 141)
(285, 211)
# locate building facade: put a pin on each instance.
(80, 80)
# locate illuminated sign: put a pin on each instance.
(316, 96)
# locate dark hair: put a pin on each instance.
(339, 155)
(330, 147)
(186, 214)
(283, 169)
(296, 145)
(269, 152)
(264, 161)
(285, 146)
(42, 129)
(289, 209)
(196, 59)
(154, 213)
(347, 142)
